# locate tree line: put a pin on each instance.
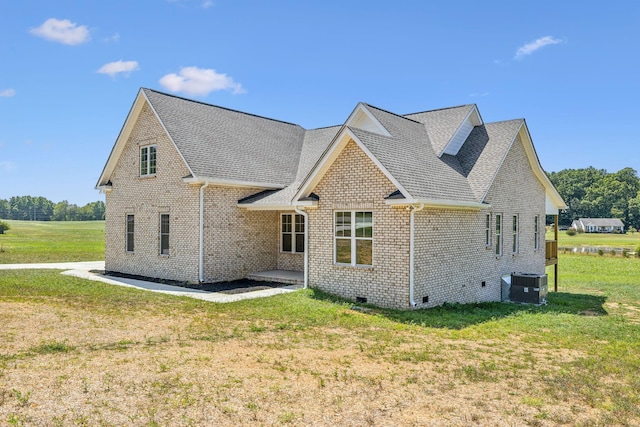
(595, 193)
(28, 208)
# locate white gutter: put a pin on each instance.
(306, 245)
(412, 244)
(201, 254)
(232, 183)
(433, 203)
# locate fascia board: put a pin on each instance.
(329, 157)
(277, 207)
(553, 194)
(233, 183)
(435, 203)
(122, 138)
(167, 133)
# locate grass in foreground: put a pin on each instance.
(84, 353)
(52, 241)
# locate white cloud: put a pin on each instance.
(199, 81)
(207, 4)
(7, 93)
(112, 39)
(6, 166)
(529, 48)
(62, 31)
(113, 68)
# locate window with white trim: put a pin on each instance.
(514, 229)
(148, 160)
(292, 233)
(130, 233)
(487, 230)
(536, 232)
(353, 238)
(498, 234)
(164, 234)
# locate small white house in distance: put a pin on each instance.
(598, 225)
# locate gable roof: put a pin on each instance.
(601, 222)
(445, 157)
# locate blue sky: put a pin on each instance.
(70, 70)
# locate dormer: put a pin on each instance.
(461, 134)
(361, 118)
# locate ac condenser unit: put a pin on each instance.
(528, 288)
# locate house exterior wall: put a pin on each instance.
(354, 182)
(452, 260)
(146, 198)
(237, 241)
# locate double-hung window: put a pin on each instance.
(498, 234)
(536, 232)
(353, 236)
(515, 234)
(130, 233)
(148, 160)
(164, 234)
(292, 233)
(487, 231)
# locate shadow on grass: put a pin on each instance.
(459, 316)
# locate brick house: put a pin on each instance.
(399, 211)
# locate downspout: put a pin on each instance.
(201, 254)
(306, 245)
(412, 244)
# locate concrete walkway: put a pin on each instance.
(84, 271)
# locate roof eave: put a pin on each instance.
(232, 183)
(278, 206)
(438, 203)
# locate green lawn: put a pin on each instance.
(52, 241)
(629, 240)
(97, 354)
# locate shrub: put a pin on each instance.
(625, 254)
(571, 232)
(613, 252)
(4, 227)
(600, 252)
(638, 251)
(632, 230)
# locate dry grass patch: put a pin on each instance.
(79, 353)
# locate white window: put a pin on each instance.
(148, 160)
(487, 231)
(292, 233)
(353, 237)
(536, 232)
(515, 234)
(498, 234)
(164, 234)
(130, 233)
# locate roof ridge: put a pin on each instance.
(504, 121)
(222, 108)
(390, 112)
(438, 109)
(323, 127)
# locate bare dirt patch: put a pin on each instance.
(65, 366)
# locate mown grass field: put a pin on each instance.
(628, 240)
(52, 241)
(75, 352)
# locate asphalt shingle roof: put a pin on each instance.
(226, 144)
(220, 143)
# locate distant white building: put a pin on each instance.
(598, 225)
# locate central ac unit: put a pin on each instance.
(528, 288)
